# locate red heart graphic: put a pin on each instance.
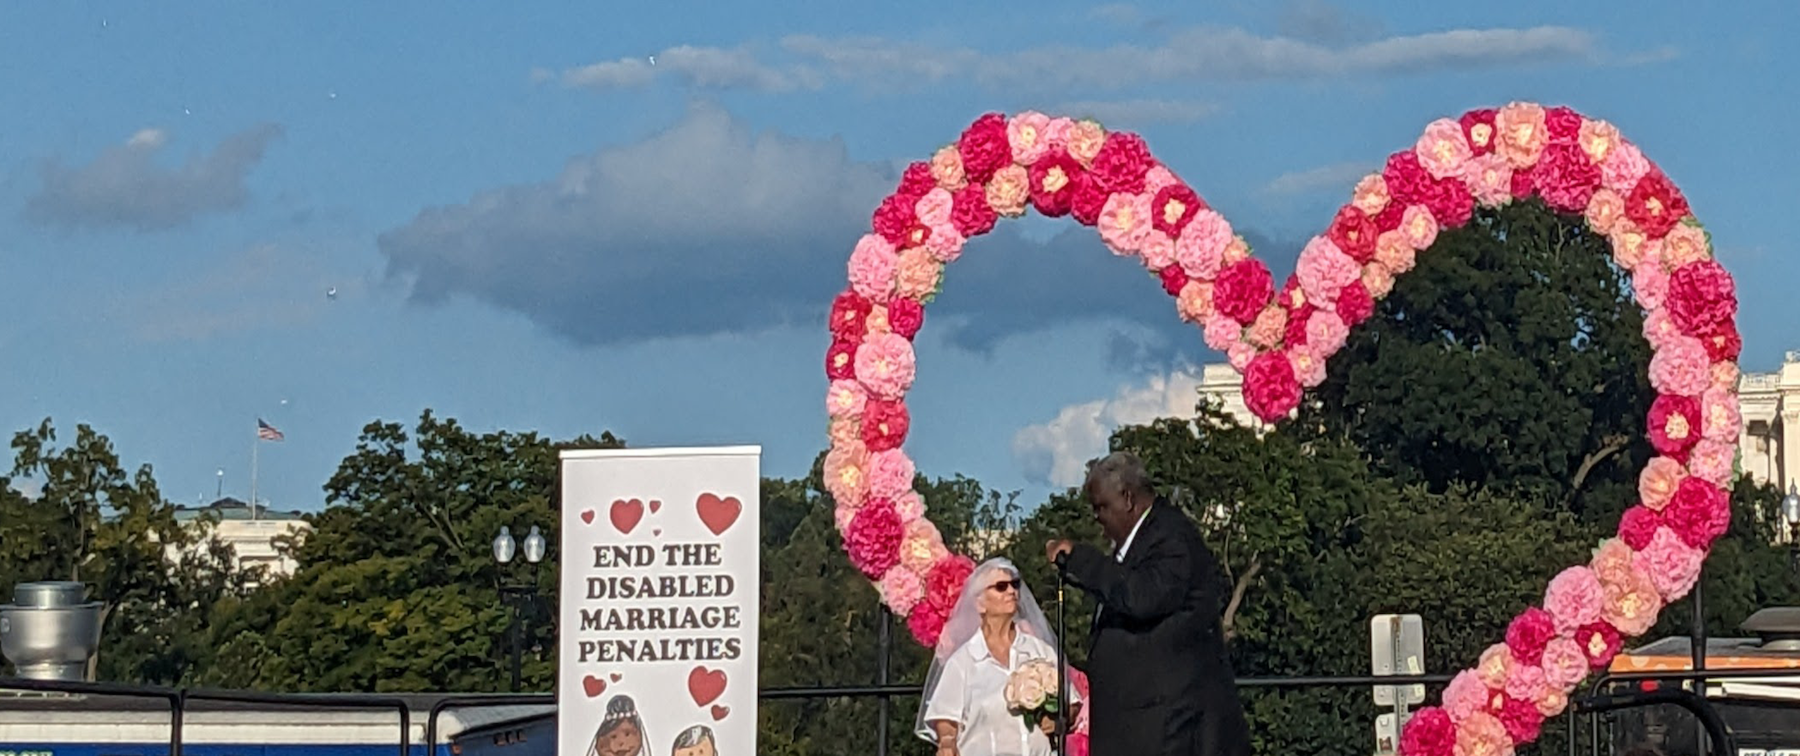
(626, 514)
(655, 505)
(718, 514)
(594, 686)
(706, 685)
(615, 677)
(587, 516)
(719, 712)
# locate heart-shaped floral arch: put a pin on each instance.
(1281, 341)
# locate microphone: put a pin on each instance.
(1062, 662)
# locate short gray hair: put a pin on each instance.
(694, 736)
(1120, 472)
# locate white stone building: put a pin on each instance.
(251, 535)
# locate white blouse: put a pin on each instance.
(972, 693)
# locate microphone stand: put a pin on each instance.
(1062, 670)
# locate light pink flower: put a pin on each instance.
(1565, 664)
(846, 473)
(1598, 139)
(1682, 368)
(1268, 328)
(1309, 367)
(1394, 252)
(1195, 303)
(1158, 179)
(1623, 167)
(922, 546)
(1240, 355)
(1553, 703)
(1201, 247)
(1483, 735)
(1660, 329)
(890, 474)
(1371, 195)
(1573, 599)
(1237, 250)
(1222, 332)
(1377, 279)
(1720, 417)
(845, 399)
(1326, 332)
(1628, 243)
(1464, 696)
(1631, 604)
(872, 268)
(945, 243)
(1725, 376)
(1056, 134)
(1495, 666)
(1658, 482)
(1650, 286)
(1009, 191)
(1084, 140)
(909, 506)
(1124, 221)
(843, 430)
(1443, 149)
(842, 516)
(1490, 179)
(947, 168)
(1685, 243)
(1612, 562)
(1158, 250)
(901, 589)
(933, 209)
(1324, 270)
(1604, 210)
(916, 276)
(1420, 227)
(885, 365)
(1673, 566)
(1521, 133)
(1711, 461)
(1027, 132)
(1525, 682)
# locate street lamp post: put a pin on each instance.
(519, 597)
(1790, 515)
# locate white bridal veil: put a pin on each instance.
(965, 623)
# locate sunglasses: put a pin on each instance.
(1005, 585)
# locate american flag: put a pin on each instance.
(267, 432)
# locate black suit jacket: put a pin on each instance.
(1160, 682)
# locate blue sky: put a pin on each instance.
(529, 226)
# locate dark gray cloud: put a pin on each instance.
(125, 186)
(711, 228)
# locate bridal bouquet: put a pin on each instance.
(1031, 691)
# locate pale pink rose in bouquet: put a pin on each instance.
(1031, 691)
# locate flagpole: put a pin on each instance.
(255, 448)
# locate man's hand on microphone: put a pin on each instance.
(1056, 549)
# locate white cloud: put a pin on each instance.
(699, 67)
(125, 186)
(1334, 177)
(1056, 452)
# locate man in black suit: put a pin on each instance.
(1160, 683)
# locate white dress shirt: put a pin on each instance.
(1132, 536)
(972, 693)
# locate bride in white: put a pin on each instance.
(995, 628)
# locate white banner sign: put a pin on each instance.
(660, 572)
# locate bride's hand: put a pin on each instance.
(1048, 725)
(948, 749)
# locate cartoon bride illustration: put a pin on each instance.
(621, 733)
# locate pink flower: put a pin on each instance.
(890, 474)
(1483, 735)
(922, 546)
(1638, 525)
(1326, 332)
(1522, 719)
(846, 473)
(1685, 243)
(911, 509)
(1240, 355)
(1121, 162)
(1009, 191)
(1525, 682)
(971, 214)
(1725, 375)
(1528, 633)
(1674, 425)
(1598, 139)
(1324, 270)
(917, 274)
(1124, 221)
(1027, 134)
(1712, 460)
(1600, 642)
(843, 430)
(872, 266)
(984, 147)
(906, 317)
(1649, 284)
(1612, 562)
(1658, 481)
(1699, 512)
(1376, 279)
(1659, 329)
(1565, 178)
(845, 398)
(1631, 604)
(901, 589)
(1394, 252)
(934, 208)
(1056, 134)
(926, 622)
(1702, 298)
(1242, 289)
(1429, 732)
(873, 538)
(1223, 331)
(1673, 566)
(1158, 250)
(1443, 148)
(947, 169)
(945, 243)
(1521, 133)
(842, 516)
(1271, 389)
(1371, 195)
(1496, 666)
(1266, 331)
(1173, 207)
(1564, 664)
(1490, 179)
(1465, 696)
(1084, 140)
(1353, 231)
(885, 365)
(1159, 178)
(1604, 210)
(1681, 368)
(1195, 304)
(1201, 246)
(1420, 227)
(1309, 366)
(1623, 167)
(884, 424)
(1553, 703)
(1628, 242)
(1655, 204)
(1573, 598)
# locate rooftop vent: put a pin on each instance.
(50, 631)
(1778, 627)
